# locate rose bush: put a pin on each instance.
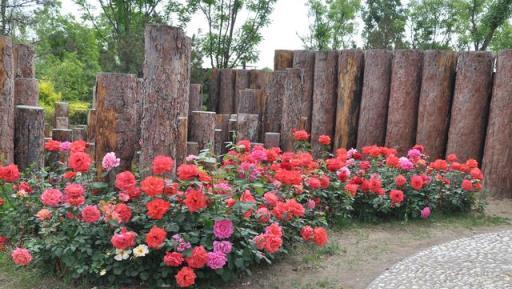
(217, 217)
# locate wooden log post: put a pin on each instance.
(6, 101)
(192, 148)
(259, 79)
(403, 100)
(247, 127)
(181, 144)
(61, 122)
(116, 116)
(248, 101)
(139, 101)
(283, 59)
(305, 60)
(91, 126)
(274, 104)
(470, 105)
(324, 97)
(219, 141)
(29, 137)
(375, 98)
(61, 110)
(241, 82)
(202, 130)
(497, 153)
(437, 82)
(222, 123)
(292, 107)
(195, 98)
(26, 91)
(166, 90)
(350, 82)
(24, 61)
(62, 134)
(272, 139)
(227, 91)
(79, 132)
(213, 90)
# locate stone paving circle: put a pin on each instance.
(478, 262)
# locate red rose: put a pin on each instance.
(173, 259)
(467, 185)
(324, 139)
(91, 214)
(247, 197)
(24, 186)
(274, 229)
(244, 144)
(3, 243)
(272, 243)
(2, 202)
(321, 237)
(155, 237)
(162, 164)
(199, 258)
(301, 135)
(334, 164)
(416, 182)
(295, 209)
(400, 180)
(122, 213)
(396, 196)
(289, 177)
(307, 233)
(393, 161)
(185, 277)
(79, 161)
(21, 257)
(124, 239)
(9, 173)
(314, 183)
(352, 189)
(187, 172)
(69, 175)
(52, 146)
(74, 194)
(152, 186)
(157, 208)
(125, 180)
(78, 146)
(195, 200)
(451, 158)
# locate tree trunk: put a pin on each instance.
(435, 100)
(219, 141)
(24, 64)
(470, 107)
(248, 101)
(202, 129)
(29, 137)
(283, 59)
(247, 125)
(181, 145)
(195, 98)
(272, 139)
(61, 110)
(292, 107)
(403, 100)
(62, 134)
(350, 82)
(305, 60)
(324, 97)
(6, 100)
(497, 153)
(259, 79)
(26, 91)
(241, 82)
(274, 103)
(79, 133)
(192, 148)
(91, 126)
(213, 90)
(375, 98)
(116, 118)
(166, 90)
(227, 91)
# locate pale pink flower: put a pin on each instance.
(110, 161)
(425, 213)
(405, 163)
(64, 146)
(44, 214)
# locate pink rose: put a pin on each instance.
(223, 229)
(21, 257)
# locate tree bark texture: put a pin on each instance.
(227, 91)
(283, 59)
(29, 137)
(202, 129)
(26, 91)
(24, 61)
(274, 103)
(292, 107)
(248, 101)
(213, 90)
(241, 82)
(247, 127)
(195, 98)
(305, 60)
(6, 100)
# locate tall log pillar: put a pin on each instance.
(470, 105)
(375, 98)
(247, 127)
(181, 143)
(403, 99)
(350, 82)
(26, 91)
(324, 97)
(29, 137)
(292, 107)
(497, 153)
(195, 98)
(202, 129)
(166, 90)
(283, 59)
(241, 82)
(213, 90)
(91, 126)
(305, 60)
(24, 61)
(6, 100)
(274, 103)
(227, 91)
(116, 117)
(435, 99)
(248, 101)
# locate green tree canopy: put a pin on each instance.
(384, 24)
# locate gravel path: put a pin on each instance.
(479, 262)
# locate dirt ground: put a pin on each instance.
(354, 257)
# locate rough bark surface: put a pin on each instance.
(305, 60)
(272, 139)
(350, 82)
(202, 129)
(241, 82)
(403, 99)
(497, 153)
(222, 123)
(139, 102)
(6, 100)
(195, 98)
(274, 103)
(61, 109)
(26, 91)
(79, 132)
(259, 79)
(62, 134)
(116, 118)
(166, 90)
(435, 100)
(29, 137)
(24, 61)
(375, 98)
(247, 125)
(227, 91)
(181, 144)
(324, 97)
(248, 101)
(219, 141)
(213, 90)
(192, 148)
(292, 107)
(283, 59)
(91, 126)
(470, 106)
(61, 122)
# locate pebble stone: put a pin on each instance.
(478, 262)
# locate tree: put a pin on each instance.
(384, 24)
(229, 43)
(16, 15)
(333, 23)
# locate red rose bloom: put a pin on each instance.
(307, 233)
(90, 214)
(74, 194)
(396, 196)
(52, 146)
(162, 164)
(392, 161)
(79, 161)
(69, 175)
(173, 259)
(321, 237)
(187, 172)
(416, 182)
(122, 213)
(289, 177)
(352, 189)
(157, 208)
(314, 183)
(199, 258)
(272, 243)
(155, 237)
(451, 158)
(195, 200)
(467, 185)
(78, 146)
(185, 277)
(324, 139)
(152, 186)
(400, 180)
(301, 135)
(334, 164)
(125, 181)
(9, 173)
(124, 239)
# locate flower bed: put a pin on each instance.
(214, 219)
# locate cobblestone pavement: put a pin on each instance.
(478, 262)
